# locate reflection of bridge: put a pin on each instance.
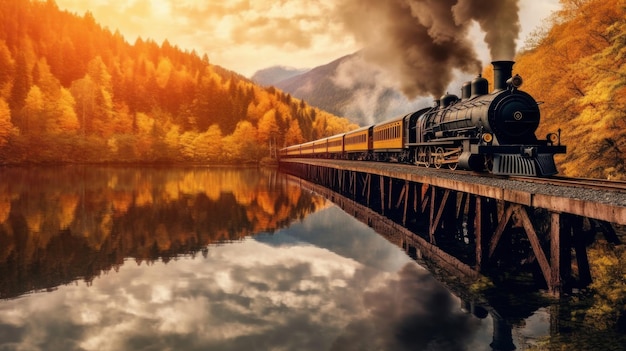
(425, 253)
(475, 223)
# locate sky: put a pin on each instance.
(249, 35)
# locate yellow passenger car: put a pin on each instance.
(292, 151)
(389, 135)
(306, 148)
(335, 145)
(358, 140)
(320, 146)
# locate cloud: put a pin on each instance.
(246, 35)
(240, 35)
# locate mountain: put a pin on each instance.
(348, 87)
(273, 75)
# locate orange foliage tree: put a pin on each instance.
(77, 92)
(577, 69)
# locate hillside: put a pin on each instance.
(577, 66)
(347, 87)
(73, 91)
(273, 75)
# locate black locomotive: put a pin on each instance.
(481, 131)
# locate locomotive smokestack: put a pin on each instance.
(502, 71)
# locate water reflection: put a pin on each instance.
(96, 258)
(59, 224)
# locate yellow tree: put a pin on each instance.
(294, 133)
(49, 106)
(580, 81)
(66, 119)
(34, 111)
(6, 70)
(603, 108)
(208, 145)
(6, 127)
(94, 99)
(187, 145)
(243, 143)
(268, 127)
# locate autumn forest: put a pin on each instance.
(72, 91)
(575, 65)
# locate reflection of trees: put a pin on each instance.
(609, 283)
(62, 224)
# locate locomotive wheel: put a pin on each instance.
(453, 165)
(423, 157)
(439, 158)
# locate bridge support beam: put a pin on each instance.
(482, 231)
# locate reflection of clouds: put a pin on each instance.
(411, 312)
(245, 295)
(241, 294)
(351, 238)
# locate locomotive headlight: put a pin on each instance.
(552, 138)
(515, 81)
(487, 138)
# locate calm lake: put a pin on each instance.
(113, 258)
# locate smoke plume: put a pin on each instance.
(499, 19)
(420, 42)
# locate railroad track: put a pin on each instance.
(587, 183)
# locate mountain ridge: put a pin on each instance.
(347, 87)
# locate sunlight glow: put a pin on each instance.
(160, 8)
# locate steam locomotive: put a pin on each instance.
(481, 131)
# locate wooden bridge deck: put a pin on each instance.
(598, 204)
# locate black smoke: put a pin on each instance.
(420, 42)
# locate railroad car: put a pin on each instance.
(290, 151)
(481, 131)
(388, 139)
(306, 149)
(320, 147)
(357, 144)
(335, 145)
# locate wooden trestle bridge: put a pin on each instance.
(475, 222)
